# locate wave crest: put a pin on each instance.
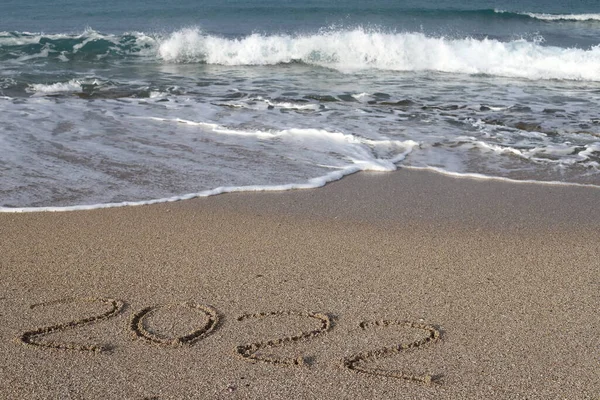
(554, 17)
(360, 49)
(87, 46)
(343, 50)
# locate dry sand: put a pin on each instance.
(493, 287)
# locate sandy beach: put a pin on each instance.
(369, 287)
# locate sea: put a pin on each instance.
(112, 103)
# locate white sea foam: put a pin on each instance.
(74, 85)
(361, 49)
(354, 148)
(360, 154)
(157, 95)
(44, 53)
(290, 106)
(360, 95)
(555, 17)
(564, 17)
(563, 154)
(260, 103)
(471, 175)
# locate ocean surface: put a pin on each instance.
(130, 102)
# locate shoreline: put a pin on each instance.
(312, 183)
(508, 274)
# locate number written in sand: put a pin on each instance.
(141, 331)
(33, 337)
(250, 351)
(357, 361)
(209, 321)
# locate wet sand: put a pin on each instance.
(366, 288)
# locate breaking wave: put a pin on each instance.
(345, 50)
(360, 49)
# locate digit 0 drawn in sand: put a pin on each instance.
(354, 361)
(32, 337)
(140, 331)
(248, 351)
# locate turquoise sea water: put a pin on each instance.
(111, 102)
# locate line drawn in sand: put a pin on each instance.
(139, 330)
(32, 337)
(356, 361)
(250, 351)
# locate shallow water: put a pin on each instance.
(124, 103)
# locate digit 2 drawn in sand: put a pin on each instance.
(354, 361)
(32, 337)
(140, 331)
(249, 351)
